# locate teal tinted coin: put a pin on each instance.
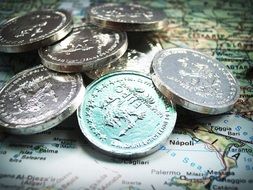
(124, 115)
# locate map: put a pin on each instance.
(203, 152)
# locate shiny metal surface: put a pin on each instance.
(127, 17)
(38, 99)
(195, 81)
(87, 47)
(123, 115)
(138, 56)
(34, 30)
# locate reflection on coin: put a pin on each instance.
(38, 99)
(123, 114)
(138, 56)
(195, 81)
(127, 17)
(86, 48)
(34, 30)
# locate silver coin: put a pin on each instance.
(127, 17)
(138, 57)
(34, 30)
(38, 99)
(86, 48)
(195, 81)
(124, 115)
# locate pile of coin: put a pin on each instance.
(124, 113)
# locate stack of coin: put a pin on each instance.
(127, 113)
(185, 77)
(37, 99)
(122, 113)
(139, 22)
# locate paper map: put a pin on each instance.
(203, 152)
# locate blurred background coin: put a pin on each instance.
(37, 99)
(34, 30)
(195, 81)
(87, 47)
(124, 115)
(127, 17)
(138, 56)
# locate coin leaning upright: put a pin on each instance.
(87, 47)
(38, 99)
(124, 115)
(34, 30)
(195, 81)
(127, 17)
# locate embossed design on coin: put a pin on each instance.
(86, 48)
(33, 30)
(127, 17)
(195, 81)
(123, 114)
(38, 99)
